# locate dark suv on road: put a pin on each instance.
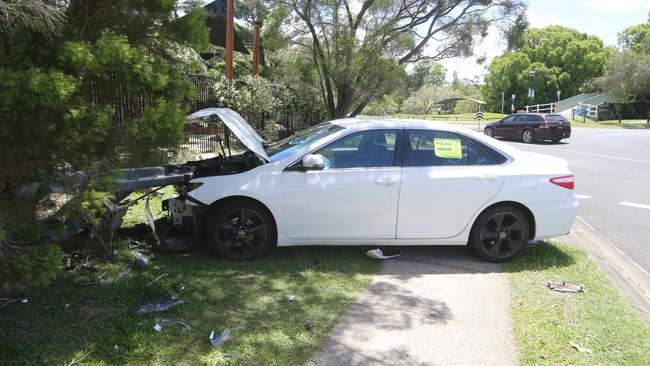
(529, 127)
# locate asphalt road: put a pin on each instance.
(612, 172)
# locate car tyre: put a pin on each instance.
(500, 233)
(489, 131)
(240, 230)
(527, 136)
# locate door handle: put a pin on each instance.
(384, 182)
(487, 177)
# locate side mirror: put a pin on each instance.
(313, 162)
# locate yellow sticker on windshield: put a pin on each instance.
(448, 148)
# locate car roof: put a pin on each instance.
(366, 123)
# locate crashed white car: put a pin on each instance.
(374, 182)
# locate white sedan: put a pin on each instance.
(375, 182)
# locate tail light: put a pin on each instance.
(565, 181)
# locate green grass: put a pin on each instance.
(627, 124)
(250, 298)
(546, 322)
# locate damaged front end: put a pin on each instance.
(184, 213)
(180, 229)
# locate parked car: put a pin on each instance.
(375, 182)
(530, 127)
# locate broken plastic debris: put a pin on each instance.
(379, 254)
(154, 306)
(140, 261)
(292, 298)
(156, 279)
(160, 323)
(309, 324)
(564, 287)
(217, 340)
(580, 349)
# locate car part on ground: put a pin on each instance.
(156, 306)
(217, 339)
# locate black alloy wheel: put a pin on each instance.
(500, 234)
(241, 231)
(489, 132)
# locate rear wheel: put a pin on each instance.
(489, 131)
(241, 230)
(527, 136)
(500, 233)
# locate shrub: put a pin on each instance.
(35, 267)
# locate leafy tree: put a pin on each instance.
(636, 38)
(355, 51)
(57, 91)
(628, 78)
(36, 15)
(547, 59)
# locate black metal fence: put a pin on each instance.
(203, 136)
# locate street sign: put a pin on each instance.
(479, 116)
(580, 111)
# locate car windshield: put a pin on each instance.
(282, 148)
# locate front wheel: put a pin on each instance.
(500, 233)
(241, 230)
(488, 132)
(527, 136)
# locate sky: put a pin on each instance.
(602, 18)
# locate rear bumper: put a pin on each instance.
(554, 219)
(552, 133)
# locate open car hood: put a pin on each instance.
(244, 132)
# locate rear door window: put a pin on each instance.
(441, 148)
(556, 118)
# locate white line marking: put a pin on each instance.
(631, 204)
(582, 196)
(594, 154)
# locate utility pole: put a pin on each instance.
(256, 47)
(230, 36)
(503, 96)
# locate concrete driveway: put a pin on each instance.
(431, 306)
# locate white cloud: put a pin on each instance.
(540, 21)
(617, 6)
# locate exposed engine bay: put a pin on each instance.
(224, 165)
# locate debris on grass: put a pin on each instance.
(138, 246)
(385, 253)
(566, 287)
(156, 279)
(292, 298)
(6, 301)
(160, 323)
(155, 306)
(217, 339)
(578, 348)
(309, 324)
(140, 261)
